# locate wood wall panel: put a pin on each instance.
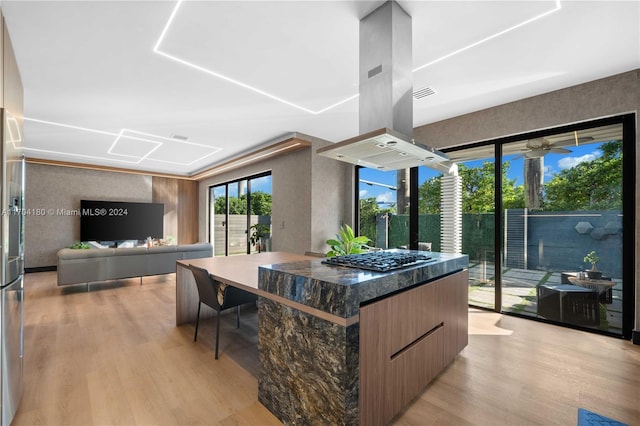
(180, 199)
(187, 211)
(165, 190)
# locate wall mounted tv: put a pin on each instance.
(118, 221)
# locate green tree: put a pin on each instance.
(236, 205)
(477, 190)
(589, 185)
(477, 187)
(429, 196)
(260, 204)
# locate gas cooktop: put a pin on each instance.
(380, 261)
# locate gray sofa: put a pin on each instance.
(84, 266)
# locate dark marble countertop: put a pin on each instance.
(340, 290)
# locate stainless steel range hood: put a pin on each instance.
(383, 149)
(386, 97)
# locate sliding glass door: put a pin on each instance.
(541, 216)
(563, 249)
(238, 211)
(473, 177)
(218, 219)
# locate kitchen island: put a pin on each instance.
(339, 345)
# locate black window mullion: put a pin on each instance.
(498, 223)
(414, 232)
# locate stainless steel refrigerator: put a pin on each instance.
(12, 264)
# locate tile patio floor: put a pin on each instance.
(519, 292)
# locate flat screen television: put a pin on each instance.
(118, 221)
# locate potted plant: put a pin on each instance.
(346, 242)
(259, 232)
(593, 259)
(79, 245)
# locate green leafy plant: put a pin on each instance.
(258, 231)
(346, 242)
(593, 259)
(79, 246)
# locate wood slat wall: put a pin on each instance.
(180, 199)
(187, 211)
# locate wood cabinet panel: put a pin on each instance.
(455, 315)
(411, 315)
(406, 340)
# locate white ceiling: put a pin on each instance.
(104, 84)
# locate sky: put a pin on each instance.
(553, 163)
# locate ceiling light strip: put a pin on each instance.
(118, 135)
(69, 126)
(165, 30)
(157, 50)
(236, 82)
(121, 135)
(12, 123)
(557, 7)
(93, 157)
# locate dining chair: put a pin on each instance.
(219, 297)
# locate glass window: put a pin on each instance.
(240, 216)
(383, 213)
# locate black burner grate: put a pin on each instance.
(380, 261)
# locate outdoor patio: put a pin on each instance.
(519, 293)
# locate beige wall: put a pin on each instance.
(310, 199)
(53, 189)
(601, 98)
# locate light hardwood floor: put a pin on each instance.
(114, 356)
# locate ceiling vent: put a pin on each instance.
(424, 92)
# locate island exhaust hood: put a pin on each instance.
(386, 98)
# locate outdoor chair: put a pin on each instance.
(219, 297)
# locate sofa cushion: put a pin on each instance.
(68, 254)
(163, 249)
(195, 247)
(131, 251)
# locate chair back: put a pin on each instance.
(207, 288)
